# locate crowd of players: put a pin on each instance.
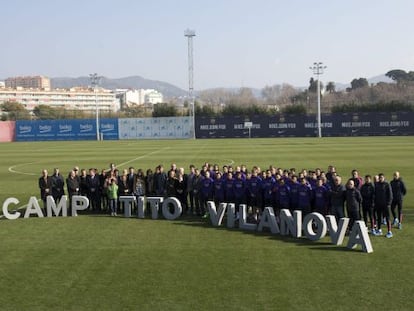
(371, 198)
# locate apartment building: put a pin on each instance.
(74, 98)
(29, 82)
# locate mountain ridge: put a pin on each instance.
(167, 89)
(130, 82)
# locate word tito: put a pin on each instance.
(314, 225)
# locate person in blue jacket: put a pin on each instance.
(320, 194)
(305, 197)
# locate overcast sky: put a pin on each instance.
(238, 42)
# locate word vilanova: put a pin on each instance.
(314, 226)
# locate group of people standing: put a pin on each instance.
(373, 199)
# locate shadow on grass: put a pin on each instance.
(197, 221)
(302, 241)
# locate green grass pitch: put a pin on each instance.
(112, 263)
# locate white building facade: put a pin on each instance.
(139, 97)
(74, 99)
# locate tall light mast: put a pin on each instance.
(190, 34)
(318, 69)
(94, 83)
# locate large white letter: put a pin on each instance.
(51, 206)
(231, 209)
(337, 235)
(155, 205)
(243, 219)
(33, 208)
(359, 235)
(6, 206)
(269, 220)
(289, 224)
(178, 209)
(79, 203)
(127, 206)
(320, 223)
(216, 217)
(141, 207)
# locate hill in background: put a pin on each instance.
(133, 82)
(169, 90)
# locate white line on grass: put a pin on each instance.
(143, 156)
(12, 169)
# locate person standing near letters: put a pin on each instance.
(305, 195)
(398, 192)
(383, 199)
(353, 202)
(367, 193)
(337, 198)
(45, 185)
(58, 184)
(93, 185)
(72, 183)
(113, 196)
(160, 181)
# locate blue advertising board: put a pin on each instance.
(79, 129)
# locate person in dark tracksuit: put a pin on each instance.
(229, 188)
(353, 202)
(253, 187)
(294, 196)
(398, 192)
(320, 194)
(218, 189)
(268, 184)
(206, 193)
(337, 198)
(383, 199)
(190, 178)
(196, 191)
(282, 196)
(305, 195)
(239, 187)
(367, 193)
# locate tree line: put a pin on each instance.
(359, 97)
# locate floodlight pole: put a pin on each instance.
(94, 82)
(190, 34)
(317, 69)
